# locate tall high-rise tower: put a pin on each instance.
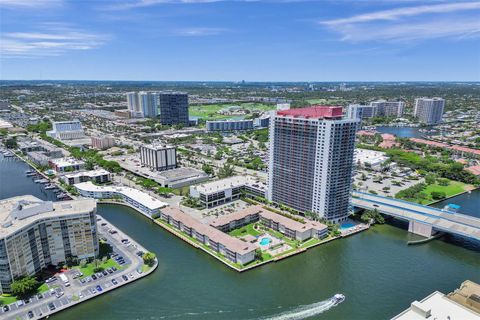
(311, 160)
(429, 110)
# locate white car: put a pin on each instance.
(80, 295)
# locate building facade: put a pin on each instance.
(383, 108)
(311, 160)
(67, 130)
(139, 200)
(158, 156)
(429, 110)
(97, 176)
(133, 103)
(66, 164)
(229, 125)
(35, 234)
(173, 108)
(102, 143)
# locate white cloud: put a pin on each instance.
(29, 3)
(199, 32)
(410, 23)
(405, 12)
(51, 41)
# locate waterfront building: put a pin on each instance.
(290, 228)
(35, 234)
(97, 176)
(363, 111)
(67, 130)
(222, 191)
(102, 143)
(439, 306)
(429, 110)
(66, 164)
(158, 157)
(142, 201)
(311, 160)
(173, 108)
(229, 125)
(230, 247)
(383, 108)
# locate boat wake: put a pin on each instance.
(305, 311)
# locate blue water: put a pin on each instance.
(265, 241)
(346, 225)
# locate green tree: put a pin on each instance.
(208, 169)
(437, 195)
(24, 287)
(149, 258)
(258, 254)
(11, 143)
(225, 171)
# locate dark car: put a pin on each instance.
(51, 306)
(114, 269)
(109, 270)
(6, 308)
(114, 282)
(104, 273)
(82, 280)
(124, 277)
(30, 314)
(94, 277)
(39, 296)
(99, 289)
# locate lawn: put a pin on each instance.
(209, 111)
(453, 188)
(7, 299)
(243, 231)
(88, 269)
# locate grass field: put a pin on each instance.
(88, 269)
(209, 111)
(7, 299)
(326, 101)
(453, 188)
(243, 231)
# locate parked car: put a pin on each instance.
(51, 306)
(99, 289)
(39, 296)
(20, 303)
(80, 295)
(6, 308)
(114, 269)
(114, 282)
(94, 277)
(30, 314)
(124, 277)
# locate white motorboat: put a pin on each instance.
(338, 298)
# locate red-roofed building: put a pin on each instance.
(474, 169)
(316, 112)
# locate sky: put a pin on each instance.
(251, 40)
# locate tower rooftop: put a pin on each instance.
(316, 112)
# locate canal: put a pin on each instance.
(377, 272)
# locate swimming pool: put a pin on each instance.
(265, 241)
(347, 225)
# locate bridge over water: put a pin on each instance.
(423, 220)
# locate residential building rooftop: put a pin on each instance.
(316, 112)
(19, 212)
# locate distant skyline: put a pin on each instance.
(216, 40)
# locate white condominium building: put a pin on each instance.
(133, 102)
(311, 160)
(429, 110)
(35, 234)
(97, 176)
(67, 130)
(383, 108)
(158, 156)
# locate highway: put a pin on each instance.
(440, 220)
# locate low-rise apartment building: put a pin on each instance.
(97, 176)
(229, 125)
(35, 234)
(231, 248)
(291, 228)
(102, 143)
(222, 191)
(66, 164)
(142, 201)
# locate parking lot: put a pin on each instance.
(71, 287)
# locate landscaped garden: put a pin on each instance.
(432, 191)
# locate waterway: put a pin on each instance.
(377, 272)
(402, 132)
